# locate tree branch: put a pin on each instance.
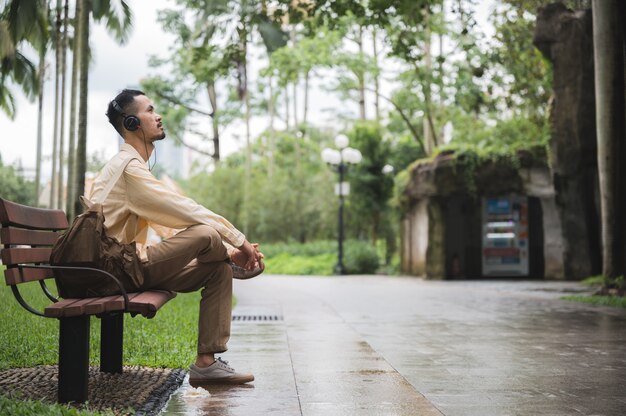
(406, 119)
(195, 149)
(187, 106)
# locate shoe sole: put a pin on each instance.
(226, 380)
(250, 275)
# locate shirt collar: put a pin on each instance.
(125, 147)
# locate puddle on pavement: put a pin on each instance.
(190, 400)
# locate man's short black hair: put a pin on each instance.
(125, 100)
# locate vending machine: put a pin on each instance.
(505, 236)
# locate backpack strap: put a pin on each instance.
(114, 179)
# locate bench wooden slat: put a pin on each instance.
(148, 303)
(11, 256)
(99, 305)
(32, 218)
(67, 308)
(15, 275)
(143, 303)
(77, 308)
(55, 310)
(12, 235)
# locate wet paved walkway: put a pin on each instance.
(402, 346)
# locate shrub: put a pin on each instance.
(360, 258)
(285, 263)
(319, 257)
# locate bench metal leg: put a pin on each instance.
(73, 359)
(111, 343)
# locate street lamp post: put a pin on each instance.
(339, 160)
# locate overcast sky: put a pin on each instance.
(116, 67)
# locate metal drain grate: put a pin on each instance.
(257, 318)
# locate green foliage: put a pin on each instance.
(593, 281)
(319, 257)
(14, 187)
(360, 258)
(318, 265)
(370, 187)
(313, 248)
(294, 203)
(23, 24)
(609, 284)
(614, 301)
(16, 407)
(518, 68)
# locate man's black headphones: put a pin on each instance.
(131, 122)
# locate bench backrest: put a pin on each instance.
(27, 236)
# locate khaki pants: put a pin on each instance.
(193, 259)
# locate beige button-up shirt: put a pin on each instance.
(138, 199)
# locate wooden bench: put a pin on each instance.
(27, 236)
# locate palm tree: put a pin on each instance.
(118, 19)
(71, 152)
(21, 23)
(57, 40)
(64, 47)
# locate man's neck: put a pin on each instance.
(144, 148)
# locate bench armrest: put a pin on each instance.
(91, 269)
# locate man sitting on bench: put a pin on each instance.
(195, 257)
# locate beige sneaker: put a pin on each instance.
(217, 373)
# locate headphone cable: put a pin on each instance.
(146, 147)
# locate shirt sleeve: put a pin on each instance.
(150, 199)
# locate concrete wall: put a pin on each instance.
(415, 239)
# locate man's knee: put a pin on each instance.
(206, 235)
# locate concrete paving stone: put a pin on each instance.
(374, 345)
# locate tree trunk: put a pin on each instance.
(609, 80)
(214, 122)
(272, 133)
(243, 44)
(64, 45)
(42, 76)
(57, 104)
(295, 83)
(287, 116)
(428, 122)
(71, 152)
(305, 113)
(361, 77)
(71, 161)
(376, 77)
(81, 148)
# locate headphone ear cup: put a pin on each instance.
(131, 123)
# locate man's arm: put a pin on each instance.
(148, 198)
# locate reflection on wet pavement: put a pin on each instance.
(399, 346)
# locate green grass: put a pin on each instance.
(167, 340)
(615, 301)
(14, 407)
(593, 281)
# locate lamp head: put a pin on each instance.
(342, 141)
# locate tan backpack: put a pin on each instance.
(85, 244)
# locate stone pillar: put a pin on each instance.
(565, 38)
(436, 251)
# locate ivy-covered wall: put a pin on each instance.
(442, 217)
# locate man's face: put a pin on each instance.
(150, 121)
